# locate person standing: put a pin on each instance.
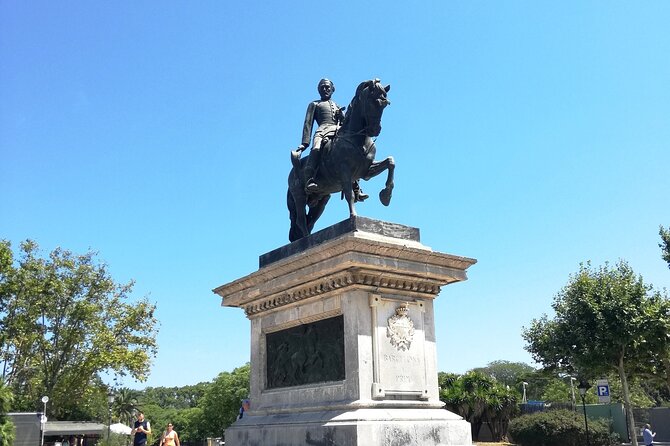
(141, 430)
(243, 408)
(170, 437)
(647, 435)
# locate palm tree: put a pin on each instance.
(478, 398)
(125, 405)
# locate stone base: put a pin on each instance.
(359, 427)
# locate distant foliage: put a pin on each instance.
(7, 432)
(175, 397)
(559, 428)
(507, 372)
(665, 243)
(221, 403)
(199, 411)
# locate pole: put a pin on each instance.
(110, 401)
(43, 419)
(586, 422)
(572, 391)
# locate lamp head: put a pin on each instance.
(583, 386)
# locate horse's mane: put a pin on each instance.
(354, 102)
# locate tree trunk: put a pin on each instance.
(626, 399)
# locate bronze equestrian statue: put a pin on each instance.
(344, 155)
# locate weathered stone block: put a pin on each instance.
(343, 340)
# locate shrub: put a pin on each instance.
(559, 428)
(113, 440)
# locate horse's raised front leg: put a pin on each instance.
(378, 167)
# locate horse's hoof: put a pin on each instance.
(385, 196)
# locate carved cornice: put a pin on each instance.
(354, 278)
(357, 260)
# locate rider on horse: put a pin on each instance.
(329, 116)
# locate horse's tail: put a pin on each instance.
(294, 232)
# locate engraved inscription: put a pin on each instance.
(401, 353)
(402, 359)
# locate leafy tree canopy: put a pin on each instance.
(506, 372)
(607, 320)
(176, 397)
(221, 402)
(7, 432)
(63, 322)
(665, 243)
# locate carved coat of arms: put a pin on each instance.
(400, 328)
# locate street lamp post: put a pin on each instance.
(583, 387)
(110, 400)
(43, 418)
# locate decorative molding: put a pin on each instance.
(383, 264)
(366, 279)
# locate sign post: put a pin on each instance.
(603, 391)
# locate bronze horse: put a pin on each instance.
(347, 157)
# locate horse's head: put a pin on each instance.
(368, 105)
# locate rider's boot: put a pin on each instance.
(359, 195)
(310, 171)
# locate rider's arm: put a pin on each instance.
(309, 124)
(176, 439)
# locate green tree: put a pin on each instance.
(479, 398)
(221, 402)
(126, 403)
(63, 322)
(176, 397)
(506, 372)
(7, 433)
(607, 320)
(665, 243)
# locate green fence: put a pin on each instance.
(614, 412)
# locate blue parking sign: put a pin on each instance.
(603, 391)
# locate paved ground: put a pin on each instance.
(656, 443)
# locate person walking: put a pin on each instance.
(170, 437)
(141, 430)
(647, 435)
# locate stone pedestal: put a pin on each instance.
(343, 340)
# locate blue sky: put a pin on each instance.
(530, 135)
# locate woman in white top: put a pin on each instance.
(170, 437)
